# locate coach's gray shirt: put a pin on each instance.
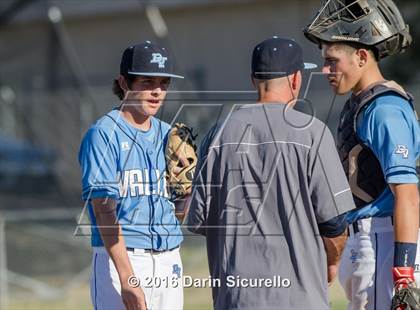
(266, 178)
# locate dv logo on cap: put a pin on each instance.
(159, 59)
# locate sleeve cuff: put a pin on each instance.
(334, 227)
(402, 177)
(93, 193)
(344, 201)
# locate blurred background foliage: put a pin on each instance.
(405, 68)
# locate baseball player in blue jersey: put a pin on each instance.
(379, 142)
(135, 234)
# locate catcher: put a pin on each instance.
(379, 142)
(135, 234)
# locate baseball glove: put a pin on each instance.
(181, 160)
(407, 298)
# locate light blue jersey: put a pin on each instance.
(389, 127)
(121, 162)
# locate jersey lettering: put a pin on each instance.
(137, 182)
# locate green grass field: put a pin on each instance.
(195, 265)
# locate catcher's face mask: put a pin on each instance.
(377, 24)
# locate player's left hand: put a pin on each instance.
(183, 163)
(181, 160)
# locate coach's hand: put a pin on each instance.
(332, 273)
(133, 297)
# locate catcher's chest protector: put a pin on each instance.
(362, 168)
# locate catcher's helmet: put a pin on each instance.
(377, 24)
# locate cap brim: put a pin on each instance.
(309, 66)
(156, 74)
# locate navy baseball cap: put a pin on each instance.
(147, 59)
(277, 57)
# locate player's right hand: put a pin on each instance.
(133, 297)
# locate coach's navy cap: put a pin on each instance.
(277, 57)
(147, 59)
